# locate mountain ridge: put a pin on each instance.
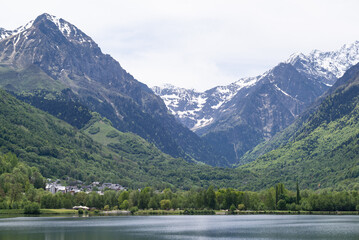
(73, 59)
(325, 67)
(305, 79)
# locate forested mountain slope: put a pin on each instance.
(99, 152)
(323, 149)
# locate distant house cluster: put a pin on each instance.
(56, 186)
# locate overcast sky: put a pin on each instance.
(199, 44)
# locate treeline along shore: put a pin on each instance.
(22, 191)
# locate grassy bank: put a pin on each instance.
(11, 211)
(58, 211)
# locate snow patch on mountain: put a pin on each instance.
(4, 34)
(196, 109)
(202, 123)
(279, 89)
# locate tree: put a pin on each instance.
(281, 205)
(241, 207)
(133, 198)
(110, 198)
(211, 198)
(279, 192)
(37, 180)
(15, 192)
(165, 204)
(32, 208)
(269, 201)
(298, 194)
(145, 196)
(232, 208)
(167, 193)
(124, 204)
(95, 200)
(80, 198)
(123, 196)
(153, 203)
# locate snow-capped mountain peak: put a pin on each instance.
(326, 67)
(68, 30)
(71, 32)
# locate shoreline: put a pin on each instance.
(65, 212)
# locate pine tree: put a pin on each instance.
(279, 192)
(298, 194)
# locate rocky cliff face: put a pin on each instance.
(257, 113)
(70, 57)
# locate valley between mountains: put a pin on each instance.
(72, 111)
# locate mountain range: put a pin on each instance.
(91, 120)
(237, 117)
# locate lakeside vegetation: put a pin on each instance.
(22, 187)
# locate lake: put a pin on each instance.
(181, 227)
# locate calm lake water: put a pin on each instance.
(181, 227)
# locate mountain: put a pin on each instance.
(50, 54)
(237, 117)
(323, 148)
(99, 152)
(255, 114)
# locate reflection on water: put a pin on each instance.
(181, 227)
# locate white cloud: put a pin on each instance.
(203, 43)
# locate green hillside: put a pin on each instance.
(160, 166)
(99, 153)
(324, 150)
(53, 146)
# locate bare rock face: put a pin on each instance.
(69, 56)
(258, 113)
